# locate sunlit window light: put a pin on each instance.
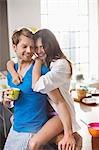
(69, 20)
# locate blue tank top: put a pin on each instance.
(30, 112)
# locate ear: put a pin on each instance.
(14, 47)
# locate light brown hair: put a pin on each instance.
(23, 31)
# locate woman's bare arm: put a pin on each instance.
(36, 73)
(62, 108)
(64, 114)
(16, 77)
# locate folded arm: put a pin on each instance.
(16, 77)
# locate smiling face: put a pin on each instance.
(39, 49)
(24, 49)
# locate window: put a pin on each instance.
(70, 22)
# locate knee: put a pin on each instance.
(34, 145)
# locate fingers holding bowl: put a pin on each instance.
(11, 94)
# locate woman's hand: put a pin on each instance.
(39, 61)
(17, 78)
(67, 143)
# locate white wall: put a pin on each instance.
(94, 39)
(4, 46)
(22, 13)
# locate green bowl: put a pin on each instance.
(14, 93)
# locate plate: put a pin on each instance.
(92, 100)
(96, 93)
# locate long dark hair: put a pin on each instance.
(51, 46)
